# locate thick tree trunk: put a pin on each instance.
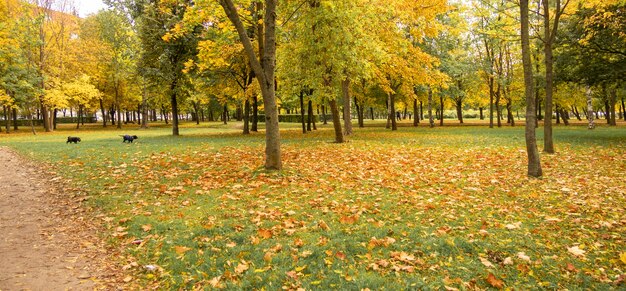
(459, 110)
(509, 109)
(311, 118)
(336, 121)
(480, 110)
(347, 116)
(534, 161)
(392, 110)
(225, 114)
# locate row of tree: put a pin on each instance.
(343, 56)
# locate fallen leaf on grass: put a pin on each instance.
(242, 267)
(181, 249)
(486, 262)
(523, 256)
(494, 282)
(265, 233)
(576, 251)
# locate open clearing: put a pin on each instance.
(417, 208)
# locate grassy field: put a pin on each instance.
(420, 208)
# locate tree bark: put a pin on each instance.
(431, 121)
(441, 109)
(311, 118)
(612, 102)
(302, 111)
(246, 116)
(591, 124)
(416, 116)
(549, 36)
(336, 121)
(459, 110)
(225, 114)
(347, 116)
(255, 113)
(534, 161)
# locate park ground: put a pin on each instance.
(420, 208)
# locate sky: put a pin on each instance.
(86, 7)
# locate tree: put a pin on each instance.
(167, 48)
(534, 161)
(264, 70)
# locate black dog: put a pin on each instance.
(73, 139)
(129, 138)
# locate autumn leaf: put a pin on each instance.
(622, 257)
(265, 233)
(146, 227)
(576, 251)
(322, 224)
(241, 267)
(181, 249)
(486, 262)
(349, 219)
(494, 282)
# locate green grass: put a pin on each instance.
(413, 209)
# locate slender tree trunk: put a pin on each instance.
(246, 116)
(459, 110)
(392, 110)
(302, 111)
(255, 113)
(564, 116)
(441, 109)
(324, 114)
(509, 109)
(336, 121)
(557, 112)
(612, 102)
(347, 116)
(482, 117)
(623, 109)
(104, 116)
(534, 161)
(491, 95)
(78, 114)
(589, 96)
(311, 118)
(431, 121)
(15, 126)
(7, 119)
(416, 117)
(548, 41)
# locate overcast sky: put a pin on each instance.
(86, 7)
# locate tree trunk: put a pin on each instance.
(225, 114)
(15, 126)
(441, 109)
(104, 116)
(324, 114)
(482, 117)
(548, 41)
(557, 112)
(623, 109)
(591, 124)
(392, 103)
(7, 119)
(491, 95)
(302, 111)
(459, 110)
(416, 117)
(534, 161)
(78, 115)
(246, 116)
(564, 116)
(311, 119)
(431, 121)
(255, 113)
(612, 102)
(359, 112)
(336, 121)
(347, 116)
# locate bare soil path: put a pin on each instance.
(46, 240)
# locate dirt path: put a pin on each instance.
(45, 241)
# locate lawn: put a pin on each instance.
(420, 208)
